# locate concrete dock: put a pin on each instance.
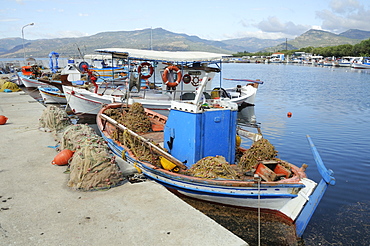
(37, 207)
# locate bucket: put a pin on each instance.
(168, 165)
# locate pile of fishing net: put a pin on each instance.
(140, 150)
(7, 85)
(213, 167)
(92, 166)
(260, 150)
(136, 120)
(53, 118)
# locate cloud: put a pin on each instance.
(274, 25)
(84, 15)
(8, 20)
(343, 6)
(61, 34)
(344, 15)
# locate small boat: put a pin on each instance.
(52, 95)
(361, 63)
(155, 78)
(347, 61)
(194, 152)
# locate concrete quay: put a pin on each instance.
(37, 207)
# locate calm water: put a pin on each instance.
(332, 105)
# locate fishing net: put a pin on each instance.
(4, 84)
(92, 166)
(75, 135)
(260, 150)
(53, 118)
(213, 167)
(140, 150)
(136, 120)
(56, 76)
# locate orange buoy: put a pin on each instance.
(3, 119)
(289, 114)
(63, 157)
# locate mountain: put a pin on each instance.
(356, 34)
(158, 38)
(252, 44)
(319, 38)
(161, 39)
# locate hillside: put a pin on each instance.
(161, 39)
(356, 34)
(319, 38)
(141, 39)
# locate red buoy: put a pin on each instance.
(63, 157)
(289, 114)
(3, 119)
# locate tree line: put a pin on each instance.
(360, 49)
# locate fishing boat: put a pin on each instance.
(347, 61)
(52, 95)
(194, 152)
(361, 63)
(155, 78)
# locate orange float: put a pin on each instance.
(289, 114)
(165, 73)
(63, 157)
(3, 119)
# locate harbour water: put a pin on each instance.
(332, 105)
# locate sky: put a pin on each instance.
(207, 19)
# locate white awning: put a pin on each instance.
(170, 56)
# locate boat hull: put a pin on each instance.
(52, 95)
(287, 196)
(360, 66)
(31, 83)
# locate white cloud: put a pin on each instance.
(8, 20)
(274, 25)
(344, 15)
(343, 6)
(81, 14)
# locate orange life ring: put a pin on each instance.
(150, 67)
(165, 79)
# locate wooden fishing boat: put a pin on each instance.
(198, 133)
(52, 95)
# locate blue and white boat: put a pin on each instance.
(201, 131)
(362, 63)
(52, 95)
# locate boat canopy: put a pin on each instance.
(168, 56)
(97, 57)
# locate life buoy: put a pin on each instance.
(186, 78)
(165, 79)
(195, 81)
(145, 75)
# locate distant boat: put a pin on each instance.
(361, 63)
(347, 61)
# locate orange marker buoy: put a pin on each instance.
(289, 114)
(3, 119)
(63, 157)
